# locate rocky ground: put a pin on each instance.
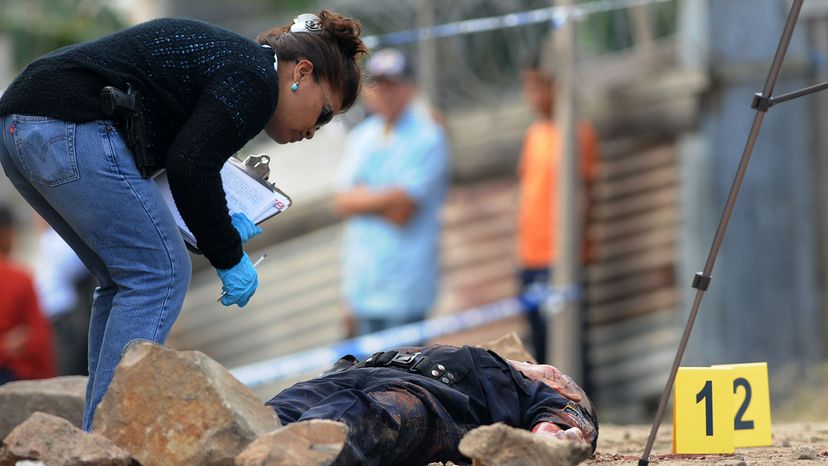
(210, 418)
(794, 443)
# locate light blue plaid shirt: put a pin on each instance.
(391, 270)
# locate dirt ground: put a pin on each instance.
(619, 445)
(799, 426)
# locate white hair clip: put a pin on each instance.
(306, 22)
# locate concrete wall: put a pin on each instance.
(764, 302)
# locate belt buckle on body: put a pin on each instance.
(404, 360)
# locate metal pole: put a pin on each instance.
(817, 28)
(565, 333)
(702, 279)
(427, 54)
(642, 27)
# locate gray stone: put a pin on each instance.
(804, 452)
(307, 443)
(60, 396)
(179, 408)
(732, 462)
(501, 445)
(51, 440)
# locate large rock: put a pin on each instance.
(60, 396)
(54, 441)
(501, 445)
(306, 443)
(510, 346)
(179, 408)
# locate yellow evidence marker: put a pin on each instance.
(752, 413)
(703, 410)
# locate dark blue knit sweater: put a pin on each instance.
(205, 92)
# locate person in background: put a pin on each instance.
(538, 170)
(202, 93)
(64, 289)
(26, 349)
(390, 186)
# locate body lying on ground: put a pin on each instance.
(412, 406)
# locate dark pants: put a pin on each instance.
(537, 322)
(71, 335)
(366, 325)
(6, 376)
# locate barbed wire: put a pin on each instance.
(554, 15)
(483, 44)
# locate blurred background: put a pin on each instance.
(668, 87)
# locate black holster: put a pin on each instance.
(125, 109)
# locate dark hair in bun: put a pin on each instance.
(335, 51)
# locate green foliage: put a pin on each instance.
(612, 31)
(40, 26)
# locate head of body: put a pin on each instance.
(564, 385)
(7, 226)
(539, 86)
(392, 86)
(319, 73)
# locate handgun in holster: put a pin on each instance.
(125, 109)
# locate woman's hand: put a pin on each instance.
(246, 228)
(239, 282)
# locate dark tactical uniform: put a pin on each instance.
(412, 406)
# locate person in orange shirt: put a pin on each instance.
(26, 348)
(538, 170)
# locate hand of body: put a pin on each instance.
(553, 430)
(238, 282)
(246, 228)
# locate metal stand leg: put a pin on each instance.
(702, 279)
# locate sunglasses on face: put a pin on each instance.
(327, 113)
(325, 116)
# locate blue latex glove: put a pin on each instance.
(246, 228)
(239, 282)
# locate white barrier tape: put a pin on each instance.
(556, 15)
(319, 359)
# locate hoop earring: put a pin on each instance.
(294, 87)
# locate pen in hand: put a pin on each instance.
(255, 264)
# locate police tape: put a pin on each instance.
(319, 359)
(555, 15)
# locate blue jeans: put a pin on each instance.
(82, 179)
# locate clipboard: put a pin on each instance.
(258, 168)
(247, 190)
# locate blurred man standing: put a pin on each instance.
(538, 170)
(390, 187)
(26, 348)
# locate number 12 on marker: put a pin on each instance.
(719, 408)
